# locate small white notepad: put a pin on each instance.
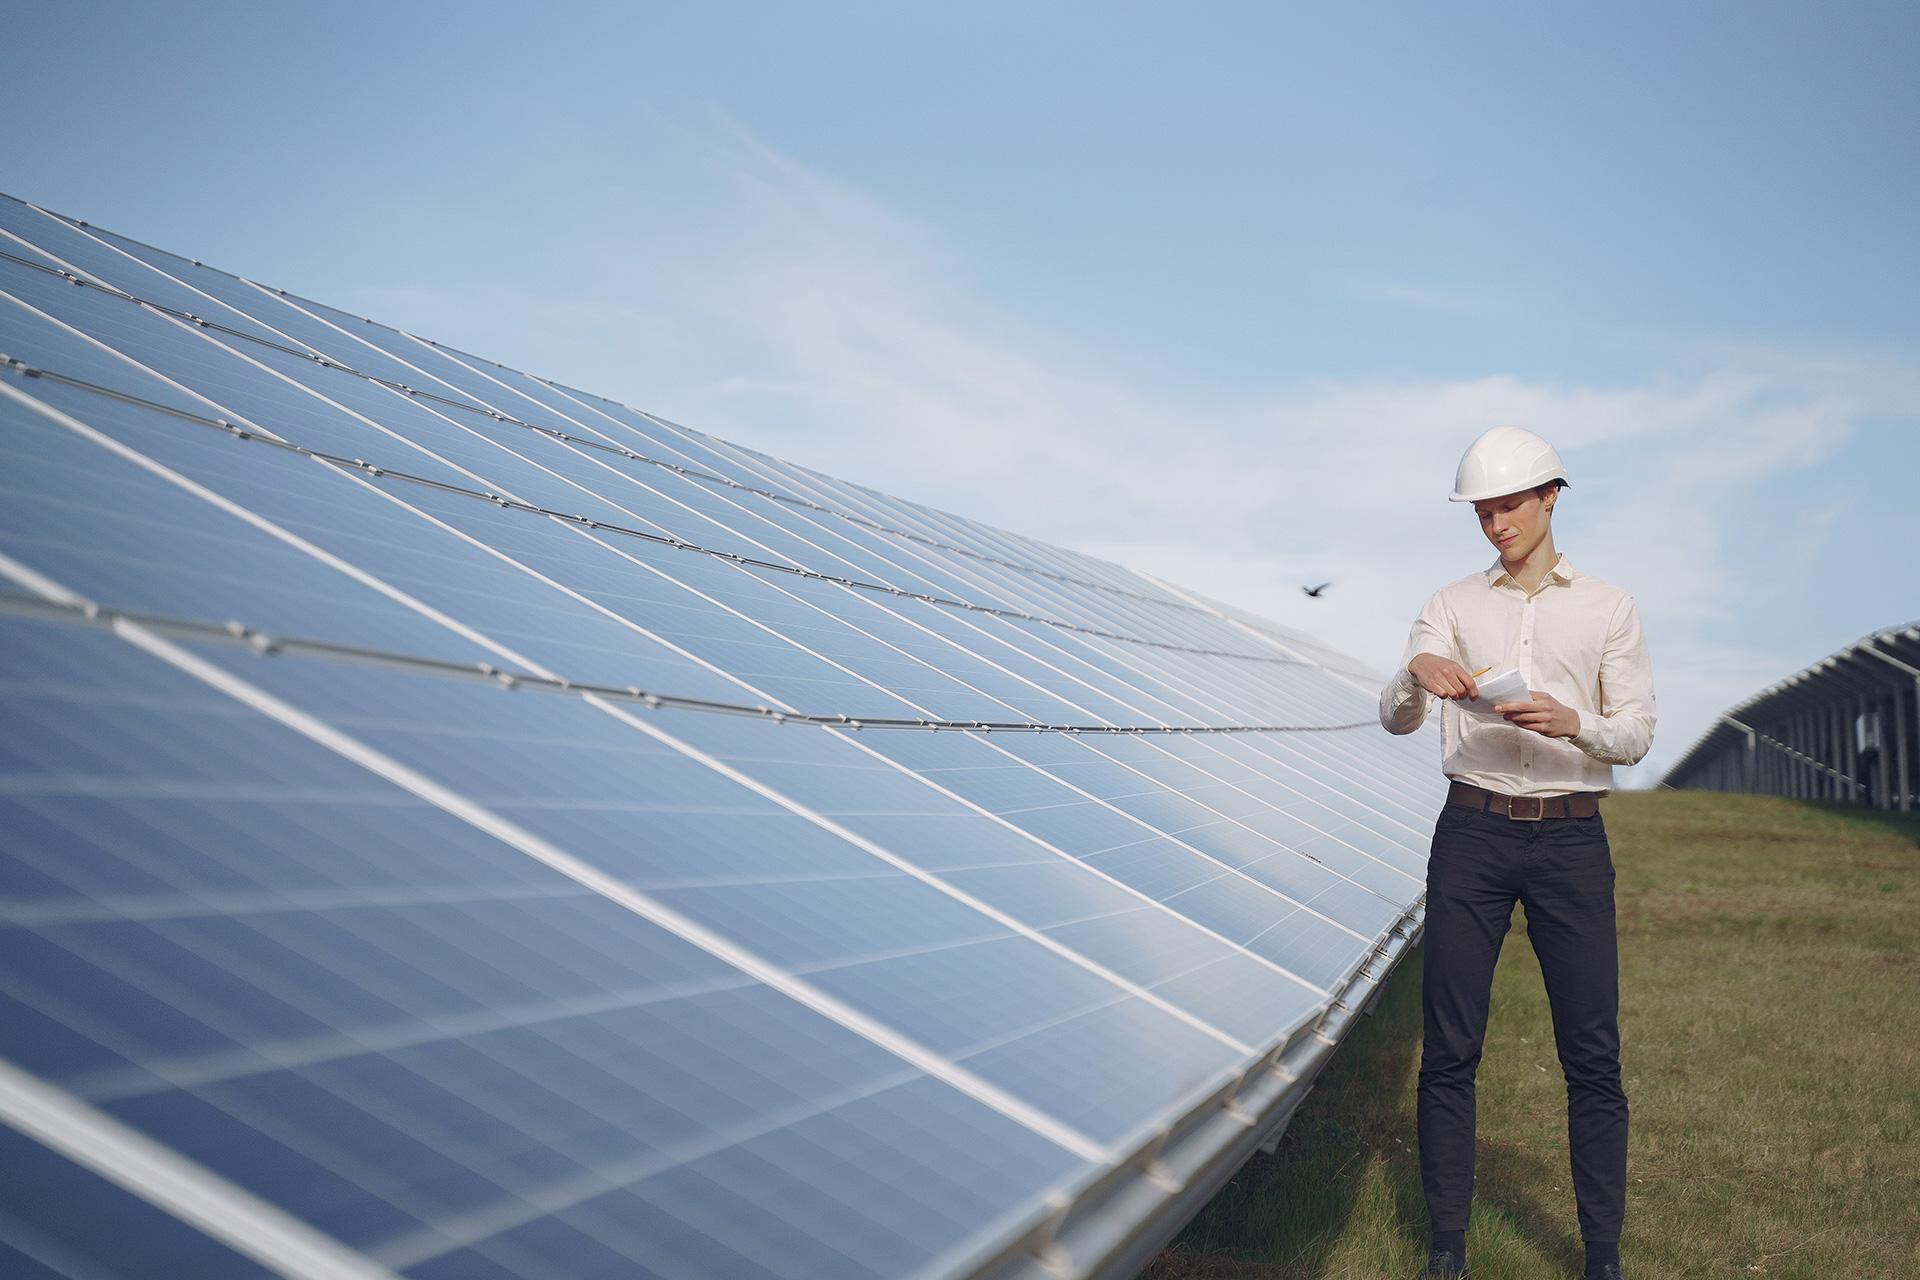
(1507, 686)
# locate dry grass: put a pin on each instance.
(1770, 1028)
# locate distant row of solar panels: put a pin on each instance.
(460, 826)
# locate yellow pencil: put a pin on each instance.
(1482, 671)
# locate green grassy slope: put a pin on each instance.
(1770, 1026)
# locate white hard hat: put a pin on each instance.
(1505, 460)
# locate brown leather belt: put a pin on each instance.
(1577, 804)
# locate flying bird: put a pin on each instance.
(1315, 591)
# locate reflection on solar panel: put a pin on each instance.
(459, 826)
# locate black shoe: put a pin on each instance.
(1607, 1271)
(1443, 1264)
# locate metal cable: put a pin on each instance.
(265, 644)
(327, 362)
(25, 370)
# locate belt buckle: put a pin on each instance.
(1539, 808)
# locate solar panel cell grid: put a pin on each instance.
(373, 1040)
(348, 932)
(51, 1226)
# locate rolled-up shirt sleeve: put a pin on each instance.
(1622, 730)
(1403, 703)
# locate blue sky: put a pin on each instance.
(1221, 294)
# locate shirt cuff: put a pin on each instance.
(1587, 736)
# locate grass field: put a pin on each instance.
(1770, 1030)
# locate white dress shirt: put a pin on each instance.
(1575, 637)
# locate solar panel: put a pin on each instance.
(457, 825)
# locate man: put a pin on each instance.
(1522, 822)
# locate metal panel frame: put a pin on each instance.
(1801, 736)
(1132, 1195)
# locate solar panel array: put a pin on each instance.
(455, 825)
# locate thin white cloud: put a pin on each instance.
(1410, 295)
(806, 320)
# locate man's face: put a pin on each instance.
(1514, 523)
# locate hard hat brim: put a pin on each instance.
(1457, 496)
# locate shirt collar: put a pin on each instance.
(1562, 569)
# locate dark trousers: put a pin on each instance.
(1562, 870)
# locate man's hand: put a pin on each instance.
(1545, 715)
(1442, 677)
